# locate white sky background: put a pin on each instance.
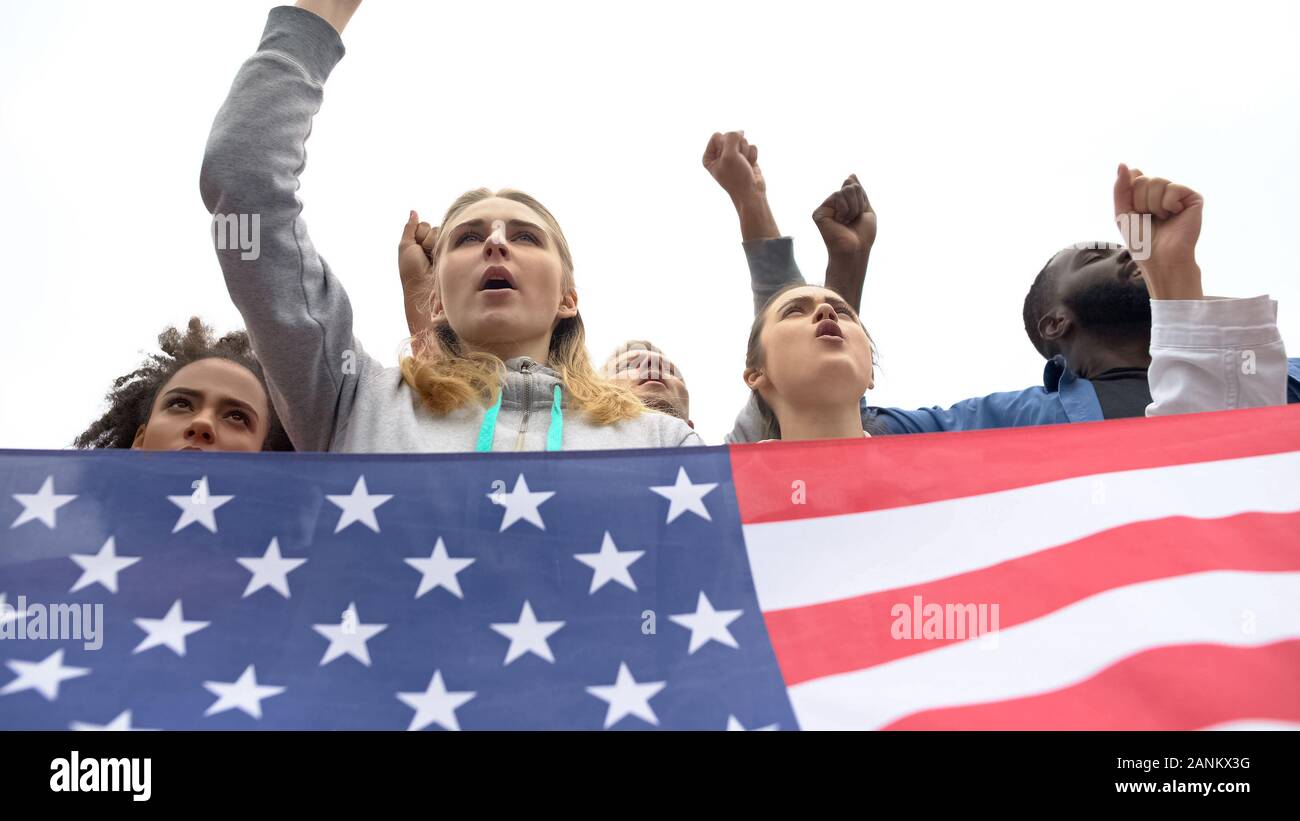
(986, 135)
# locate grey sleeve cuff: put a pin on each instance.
(771, 267)
(304, 38)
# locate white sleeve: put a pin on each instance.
(1215, 354)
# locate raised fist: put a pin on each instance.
(846, 221)
(415, 250)
(415, 267)
(733, 162)
(1160, 222)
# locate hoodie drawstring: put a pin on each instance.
(554, 434)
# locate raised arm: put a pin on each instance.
(1207, 353)
(415, 269)
(297, 313)
(733, 163)
(848, 227)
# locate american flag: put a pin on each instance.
(1135, 574)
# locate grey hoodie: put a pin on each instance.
(329, 393)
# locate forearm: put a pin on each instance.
(414, 294)
(1178, 282)
(756, 220)
(335, 12)
(846, 275)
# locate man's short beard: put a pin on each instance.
(658, 403)
(1112, 309)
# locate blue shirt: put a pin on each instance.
(1063, 397)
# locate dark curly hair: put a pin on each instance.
(131, 399)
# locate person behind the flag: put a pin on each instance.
(1115, 347)
(808, 362)
(505, 365)
(646, 370)
(200, 393)
(638, 365)
(809, 359)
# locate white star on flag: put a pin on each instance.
(521, 503)
(169, 631)
(359, 506)
(41, 676)
(528, 635)
(199, 506)
(610, 564)
(707, 624)
(435, 705)
(439, 570)
(101, 568)
(627, 697)
(734, 725)
(685, 497)
(245, 694)
(41, 505)
(270, 571)
(349, 636)
(120, 724)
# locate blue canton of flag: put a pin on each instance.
(310, 591)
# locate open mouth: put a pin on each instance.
(829, 327)
(497, 278)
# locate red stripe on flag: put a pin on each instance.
(1186, 687)
(853, 634)
(798, 480)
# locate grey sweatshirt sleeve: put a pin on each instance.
(771, 268)
(297, 313)
(749, 424)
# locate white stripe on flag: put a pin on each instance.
(1253, 725)
(800, 562)
(1060, 649)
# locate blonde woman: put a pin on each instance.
(504, 365)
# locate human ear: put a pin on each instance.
(435, 302)
(568, 305)
(1054, 325)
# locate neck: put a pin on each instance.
(1088, 356)
(840, 421)
(536, 349)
